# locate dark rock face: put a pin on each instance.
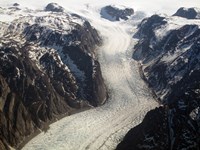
(113, 13)
(163, 129)
(46, 72)
(16, 4)
(54, 7)
(146, 32)
(189, 13)
(144, 136)
(170, 64)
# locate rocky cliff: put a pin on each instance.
(48, 69)
(189, 13)
(116, 13)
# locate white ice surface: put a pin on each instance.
(105, 126)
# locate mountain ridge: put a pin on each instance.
(168, 52)
(49, 68)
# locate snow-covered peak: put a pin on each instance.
(54, 7)
(173, 23)
(8, 14)
(14, 21)
(62, 23)
(161, 25)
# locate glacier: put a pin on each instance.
(129, 97)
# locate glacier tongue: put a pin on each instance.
(105, 126)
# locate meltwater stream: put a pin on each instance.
(105, 126)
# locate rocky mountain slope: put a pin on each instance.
(168, 53)
(189, 13)
(48, 69)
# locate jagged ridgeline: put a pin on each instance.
(48, 68)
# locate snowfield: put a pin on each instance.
(105, 126)
(129, 98)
